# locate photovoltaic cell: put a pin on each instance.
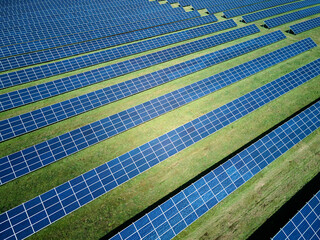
(177, 213)
(277, 21)
(306, 223)
(255, 7)
(34, 215)
(76, 38)
(305, 26)
(71, 50)
(278, 10)
(24, 123)
(42, 91)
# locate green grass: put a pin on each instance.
(235, 217)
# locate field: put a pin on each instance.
(236, 217)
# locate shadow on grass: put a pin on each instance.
(168, 196)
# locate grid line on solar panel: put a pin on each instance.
(171, 217)
(290, 17)
(34, 18)
(305, 26)
(51, 69)
(76, 25)
(10, 128)
(255, 7)
(305, 224)
(102, 43)
(97, 44)
(42, 91)
(60, 201)
(18, 164)
(229, 6)
(17, 39)
(278, 10)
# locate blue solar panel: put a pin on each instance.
(277, 21)
(32, 18)
(232, 5)
(43, 44)
(306, 223)
(53, 205)
(278, 10)
(75, 25)
(180, 211)
(71, 50)
(42, 154)
(22, 38)
(40, 118)
(51, 69)
(255, 7)
(42, 91)
(305, 26)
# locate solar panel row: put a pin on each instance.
(46, 90)
(255, 7)
(10, 40)
(49, 9)
(85, 23)
(35, 157)
(277, 21)
(100, 44)
(305, 26)
(41, 211)
(51, 69)
(202, 4)
(232, 5)
(64, 15)
(22, 124)
(306, 223)
(278, 10)
(171, 217)
(97, 44)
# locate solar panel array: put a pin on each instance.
(42, 154)
(171, 217)
(231, 5)
(114, 53)
(46, 90)
(27, 47)
(305, 224)
(278, 10)
(255, 7)
(41, 211)
(277, 21)
(99, 42)
(305, 26)
(51, 114)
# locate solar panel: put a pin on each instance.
(277, 21)
(254, 8)
(53, 205)
(231, 5)
(306, 223)
(10, 128)
(305, 26)
(278, 10)
(63, 14)
(51, 69)
(85, 23)
(42, 91)
(22, 38)
(180, 211)
(35, 157)
(88, 46)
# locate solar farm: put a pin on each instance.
(171, 119)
